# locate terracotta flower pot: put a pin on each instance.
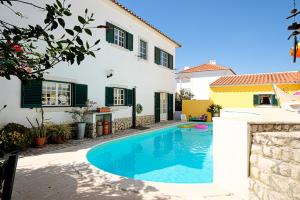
(58, 139)
(40, 142)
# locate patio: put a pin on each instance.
(65, 173)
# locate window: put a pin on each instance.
(143, 49)
(164, 58)
(265, 99)
(119, 97)
(119, 37)
(56, 94)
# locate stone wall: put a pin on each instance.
(275, 162)
(273, 127)
(126, 123)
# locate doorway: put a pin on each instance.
(163, 106)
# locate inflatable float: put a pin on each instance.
(201, 126)
(186, 126)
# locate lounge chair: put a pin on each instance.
(287, 101)
(202, 118)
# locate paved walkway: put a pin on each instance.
(63, 174)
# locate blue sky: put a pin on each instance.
(248, 35)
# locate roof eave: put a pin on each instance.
(146, 23)
(211, 85)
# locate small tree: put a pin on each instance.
(19, 53)
(183, 94)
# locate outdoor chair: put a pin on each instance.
(7, 175)
(202, 118)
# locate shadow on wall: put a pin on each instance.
(196, 108)
(76, 182)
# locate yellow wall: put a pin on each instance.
(196, 108)
(231, 97)
(242, 96)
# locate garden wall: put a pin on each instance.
(275, 164)
(196, 108)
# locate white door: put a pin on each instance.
(163, 106)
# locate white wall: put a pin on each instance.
(129, 70)
(231, 145)
(198, 82)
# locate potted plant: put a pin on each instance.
(59, 133)
(214, 109)
(39, 131)
(79, 117)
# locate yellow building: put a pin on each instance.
(252, 90)
(245, 91)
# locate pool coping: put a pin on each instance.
(186, 189)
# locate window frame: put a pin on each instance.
(119, 34)
(164, 58)
(143, 55)
(56, 93)
(260, 96)
(117, 97)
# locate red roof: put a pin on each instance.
(205, 67)
(145, 22)
(258, 79)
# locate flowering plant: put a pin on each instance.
(15, 137)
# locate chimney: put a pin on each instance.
(212, 62)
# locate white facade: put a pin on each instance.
(198, 82)
(129, 70)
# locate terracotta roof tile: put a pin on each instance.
(205, 67)
(145, 22)
(256, 79)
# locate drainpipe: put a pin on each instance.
(134, 108)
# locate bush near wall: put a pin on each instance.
(196, 108)
(15, 137)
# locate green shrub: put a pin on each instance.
(63, 130)
(15, 137)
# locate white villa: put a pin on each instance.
(135, 58)
(198, 78)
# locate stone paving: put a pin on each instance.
(61, 172)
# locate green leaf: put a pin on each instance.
(92, 54)
(67, 13)
(59, 3)
(78, 29)
(61, 22)
(81, 20)
(70, 31)
(88, 31)
(79, 58)
(79, 41)
(86, 11)
(97, 42)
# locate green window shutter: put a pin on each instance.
(157, 107)
(80, 95)
(110, 33)
(170, 60)
(256, 100)
(109, 96)
(170, 107)
(157, 55)
(129, 41)
(128, 97)
(274, 100)
(31, 94)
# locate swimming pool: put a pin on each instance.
(168, 155)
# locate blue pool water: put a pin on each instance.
(169, 155)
